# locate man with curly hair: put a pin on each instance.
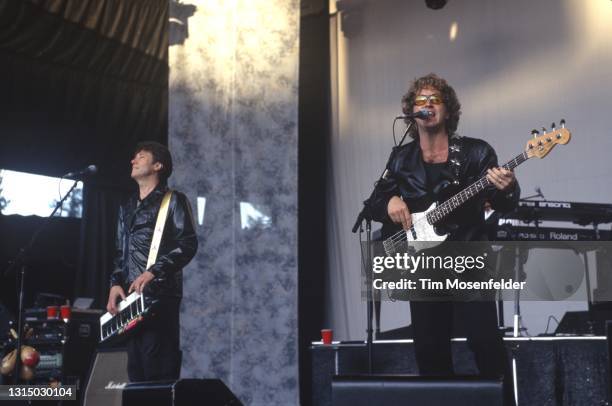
(437, 164)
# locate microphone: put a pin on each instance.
(419, 114)
(90, 170)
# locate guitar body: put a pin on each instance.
(420, 232)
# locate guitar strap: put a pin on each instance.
(456, 157)
(162, 215)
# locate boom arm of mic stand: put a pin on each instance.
(408, 127)
(365, 213)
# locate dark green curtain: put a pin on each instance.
(75, 92)
(81, 82)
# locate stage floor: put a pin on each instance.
(552, 371)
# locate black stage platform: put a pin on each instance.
(552, 371)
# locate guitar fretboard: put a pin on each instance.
(466, 194)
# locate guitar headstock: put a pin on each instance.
(541, 145)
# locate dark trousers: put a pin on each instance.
(154, 349)
(433, 323)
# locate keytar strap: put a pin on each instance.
(159, 229)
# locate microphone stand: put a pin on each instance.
(21, 261)
(366, 214)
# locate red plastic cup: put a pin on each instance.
(327, 335)
(66, 312)
(52, 312)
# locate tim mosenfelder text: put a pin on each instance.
(458, 264)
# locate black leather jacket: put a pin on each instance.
(468, 161)
(134, 234)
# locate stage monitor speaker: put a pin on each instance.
(107, 378)
(402, 390)
(184, 392)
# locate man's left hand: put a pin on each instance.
(502, 179)
(139, 283)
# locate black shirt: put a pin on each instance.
(434, 175)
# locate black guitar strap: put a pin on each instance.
(456, 157)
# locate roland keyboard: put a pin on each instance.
(575, 212)
(527, 233)
(131, 312)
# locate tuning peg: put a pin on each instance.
(562, 123)
(535, 133)
(553, 126)
(543, 130)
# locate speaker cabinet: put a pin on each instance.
(184, 392)
(107, 378)
(399, 390)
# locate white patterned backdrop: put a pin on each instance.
(233, 135)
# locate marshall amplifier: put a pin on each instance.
(184, 392)
(107, 379)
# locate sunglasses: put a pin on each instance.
(422, 100)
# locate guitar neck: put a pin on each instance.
(466, 194)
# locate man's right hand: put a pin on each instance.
(399, 213)
(116, 292)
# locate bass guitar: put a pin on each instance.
(424, 223)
